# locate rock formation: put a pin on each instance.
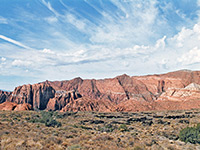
(15, 106)
(4, 96)
(37, 95)
(86, 104)
(8, 106)
(123, 93)
(23, 107)
(62, 98)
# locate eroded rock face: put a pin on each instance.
(122, 93)
(61, 99)
(36, 95)
(41, 94)
(4, 96)
(86, 104)
(8, 106)
(23, 107)
(22, 94)
(190, 92)
(116, 90)
(16, 107)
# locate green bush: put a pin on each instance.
(123, 128)
(107, 128)
(46, 118)
(52, 123)
(190, 134)
(74, 147)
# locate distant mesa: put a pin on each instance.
(170, 91)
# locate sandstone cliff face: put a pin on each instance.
(122, 93)
(41, 94)
(22, 94)
(61, 99)
(4, 96)
(116, 90)
(37, 95)
(86, 104)
(190, 92)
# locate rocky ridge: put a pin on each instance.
(174, 90)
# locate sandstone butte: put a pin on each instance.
(170, 91)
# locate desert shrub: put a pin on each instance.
(75, 126)
(123, 128)
(107, 128)
(64, 115)
(190, 134)
(46, 118)
(85, 127)
(74, 147)
(138, 148)
(103, 138)
(52, 123)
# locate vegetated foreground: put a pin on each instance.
(94, 130)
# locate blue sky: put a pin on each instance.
(59, 40)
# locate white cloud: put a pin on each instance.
(186, 39)
(3, 59)
(76, 22)
(122, 31)
(181, 51)
(2, 62)
(47, 51)
(21, 63)
(198, 2)
(160, 43)
(191, 57)
(129, 39)
(13, 42)
(51, 20)
(3, 20)
(48, 5)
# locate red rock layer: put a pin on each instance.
(37, 95)
(61, 99)
(16, 107)
(122, 93)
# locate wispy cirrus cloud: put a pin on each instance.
(14, 42)
(48, 5)
(51, 19)
(97, 39)
(3, 20)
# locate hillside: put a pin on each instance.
(155, 130)
(170, 91)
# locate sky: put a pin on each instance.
(63, 39)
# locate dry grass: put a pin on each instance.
(93, 130)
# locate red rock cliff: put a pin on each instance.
(122, 93)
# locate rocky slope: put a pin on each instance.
(15, 106)
(4, 96)
(174, 90)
